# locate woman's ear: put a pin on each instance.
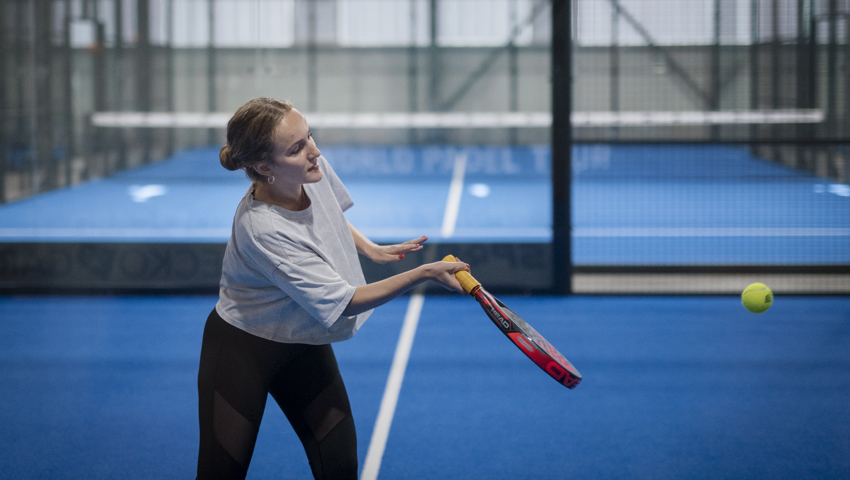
(263, 169)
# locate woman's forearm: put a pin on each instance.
(363, 245)
(384, 253)
(378, 293)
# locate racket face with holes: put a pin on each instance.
(526, 338)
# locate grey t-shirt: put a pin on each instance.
(287, 276)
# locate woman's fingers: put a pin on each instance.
(406, 248)
(394, 253)
(416, 241)
(446, 276)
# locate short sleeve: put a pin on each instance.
(316, 287)
(304, 276)
(340, 192)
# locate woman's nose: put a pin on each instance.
(315, 153)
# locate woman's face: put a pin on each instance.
(295, 155)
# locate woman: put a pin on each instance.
(291, 285)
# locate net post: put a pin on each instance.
(561, 145)
(211, 57)
(5, 112)
(144, 64)
(44, 168)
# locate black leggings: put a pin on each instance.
(238, 371)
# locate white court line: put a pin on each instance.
(614, 232)
(115, 232)
(455, 192)
(405, 341)
(544, 233)
(385, 414)
(483, 233)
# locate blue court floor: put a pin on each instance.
(674, 387)
(631, 205)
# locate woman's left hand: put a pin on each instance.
(394, 253)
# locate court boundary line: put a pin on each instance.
(455, 193)
(737, 232)
(389, 401)
(448, 230)
(386, 412)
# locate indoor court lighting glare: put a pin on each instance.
(479, 190)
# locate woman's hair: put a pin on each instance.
(249, 135)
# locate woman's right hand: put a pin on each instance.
(443, 273)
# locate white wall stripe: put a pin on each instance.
(379, 120)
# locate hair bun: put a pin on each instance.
(226, 158)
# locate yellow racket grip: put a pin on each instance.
(466, 280)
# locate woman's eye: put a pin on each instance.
(301, 146)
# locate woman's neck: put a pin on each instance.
(294, 199)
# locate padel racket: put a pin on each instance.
(519, 332)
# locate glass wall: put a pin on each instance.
(69, 61)
(708, 135)
(711, 144)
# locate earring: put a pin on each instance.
(270, 179)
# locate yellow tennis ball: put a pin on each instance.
(757, 298)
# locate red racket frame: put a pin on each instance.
(526, 338)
